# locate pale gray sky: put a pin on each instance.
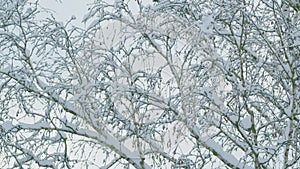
(65, 9)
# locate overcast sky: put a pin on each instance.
(65, 9)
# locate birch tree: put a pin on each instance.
(151, 84)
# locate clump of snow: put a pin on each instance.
(234, 118)
(206, 26)
(7, 126)
(246, 123)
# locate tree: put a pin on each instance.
(175, 84)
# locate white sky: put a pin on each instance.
(65, 9)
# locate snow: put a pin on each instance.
(217, 100)
(7, 126)
(94, 23)
(41, 124)
(167, 97)
(207, 22)
(233, 118)
(229, 158)
(110, 141)
(73, 17)
(46, 162)
(288, 109)
(281, 140)
(215, 147)
(246, 122)
(254, 54)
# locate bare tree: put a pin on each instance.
(151, 84)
